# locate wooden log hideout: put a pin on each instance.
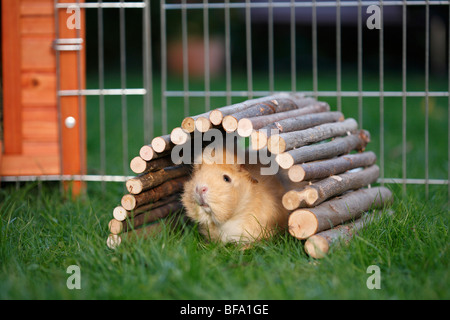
(321, 152)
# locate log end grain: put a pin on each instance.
(138, 165)
(258, 140)
(203, 124)
(284, 160)
(160, 144)
(128, 202)
(302, 224)
(119, 213)
(317, 246)
(311, 196)
(115, 226)
(230, 124)
(134, 186)
(147, 153)
(291, 200)
(276, 144)
(188, 124)
(296, 173)
(113, 241)
(179, 136)
(216, 117)
(245, 127)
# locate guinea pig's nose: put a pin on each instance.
(201, 189)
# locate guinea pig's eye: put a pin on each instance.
(226, 178)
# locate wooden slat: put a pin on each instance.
(36, 7)
(40, 131)
(37, 25)
(38, 54)
(11, 53)
(18, 165)
(39, 113)
(39, 148)
(38, 88)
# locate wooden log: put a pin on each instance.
(216, 116)
(162, 143)
(152, 215)
(153, 179)
(179, 136)
(322, 190)
(203, 124)
(121, 214)
(133, 201)
(259, 138)
(139, 165)
(336, 147)
(247, 125)
(303, 223)
(115, 226)
(282, 142)
(145, 232)
(113, 241)
(318, 245)
(230, 122)
(188, 123)
(147, 153)
(326, 168)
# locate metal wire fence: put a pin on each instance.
(242, 26)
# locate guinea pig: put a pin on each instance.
(233, 202)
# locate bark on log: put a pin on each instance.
(336, 147)
(152, 215)
(318, 245)
(259, 138)
(326, 168)
(145, 232)
(230, 122)
(131, 201)
(279, 143)
(216, 116)
(162, 143)
(303, 223)
(322, 190)
(153, 179)
(121, 214)
(139, 165)
(247, 125)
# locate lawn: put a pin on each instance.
(44, 232)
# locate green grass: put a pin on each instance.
(43, 232)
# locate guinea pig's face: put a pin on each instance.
(215, 192)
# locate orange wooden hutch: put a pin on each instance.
(31, 125)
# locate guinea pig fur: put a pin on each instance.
(234, 202)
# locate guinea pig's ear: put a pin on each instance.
(247, 173)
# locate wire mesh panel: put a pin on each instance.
(384, 63)
(378, 61)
